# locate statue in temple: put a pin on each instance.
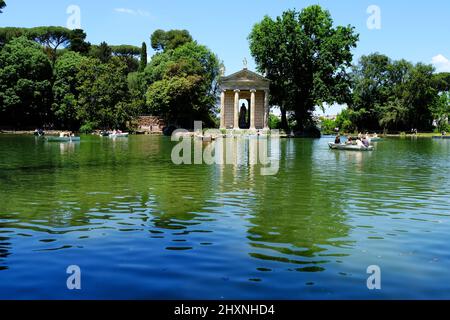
(243, 117)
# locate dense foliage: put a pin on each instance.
(306, 58)
(52, 77)
(392, 95)
(25, 83)
(183, 84)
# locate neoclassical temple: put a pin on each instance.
(244, 101)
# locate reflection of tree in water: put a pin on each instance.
(298, 218)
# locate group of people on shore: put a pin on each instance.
(363, 140)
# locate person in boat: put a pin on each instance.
(350, 141)
(360, 144)
(366, 141)
(337, 140)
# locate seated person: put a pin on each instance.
(350, 140)
(337, 140)
(365, 142)
(359, 143)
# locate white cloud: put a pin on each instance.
(137, 12)
(441, 63)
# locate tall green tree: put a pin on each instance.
(392, 95)
(129, 54)
(51, 38)
(78, 42)
(25, 84)
(65, 90)
(306, 58)
(441, 112)
(371, 90)
(183, 85)
(103, 52)
(103, 97)
(442, 81)
(9, 33)
(168, 40)
(143, 61)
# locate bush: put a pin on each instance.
(88, 127)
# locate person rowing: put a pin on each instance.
(338, 139)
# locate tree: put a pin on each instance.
(78, 42)
(442, 81)
(306, 58)
(25, 83)
(51, 38)
(103, 52)
(65, 90)
(9, 33)
(392, 95)
(371, 90)
(103, 97)
(168, 40)
(129, 54)
(2, 5)
(143, 61)
(183, 85)
(441, 112)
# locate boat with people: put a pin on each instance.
(349, 147)
(119, 135)
(114, 134)
(64, 137)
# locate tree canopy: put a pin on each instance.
(168, 40)
(442, 81)
(2, 5)
(183, 84)
(103, 52)
(394, 95)
(306, 58)
(78, 42)
(25, 87)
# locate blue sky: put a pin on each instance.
(414, 30)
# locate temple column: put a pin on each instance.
(236, 109)
(252, 109)
(222, 110)
(266, 110)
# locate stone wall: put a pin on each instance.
(150, 124)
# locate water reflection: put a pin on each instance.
(125, 205)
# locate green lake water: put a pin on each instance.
(141, 227)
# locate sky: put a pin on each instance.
(417, 31)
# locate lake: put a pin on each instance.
(141, 227)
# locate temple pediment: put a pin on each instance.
(244, 80)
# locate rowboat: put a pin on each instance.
(375, 139)
(349, 147)
(63, 139)
(119, 135)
